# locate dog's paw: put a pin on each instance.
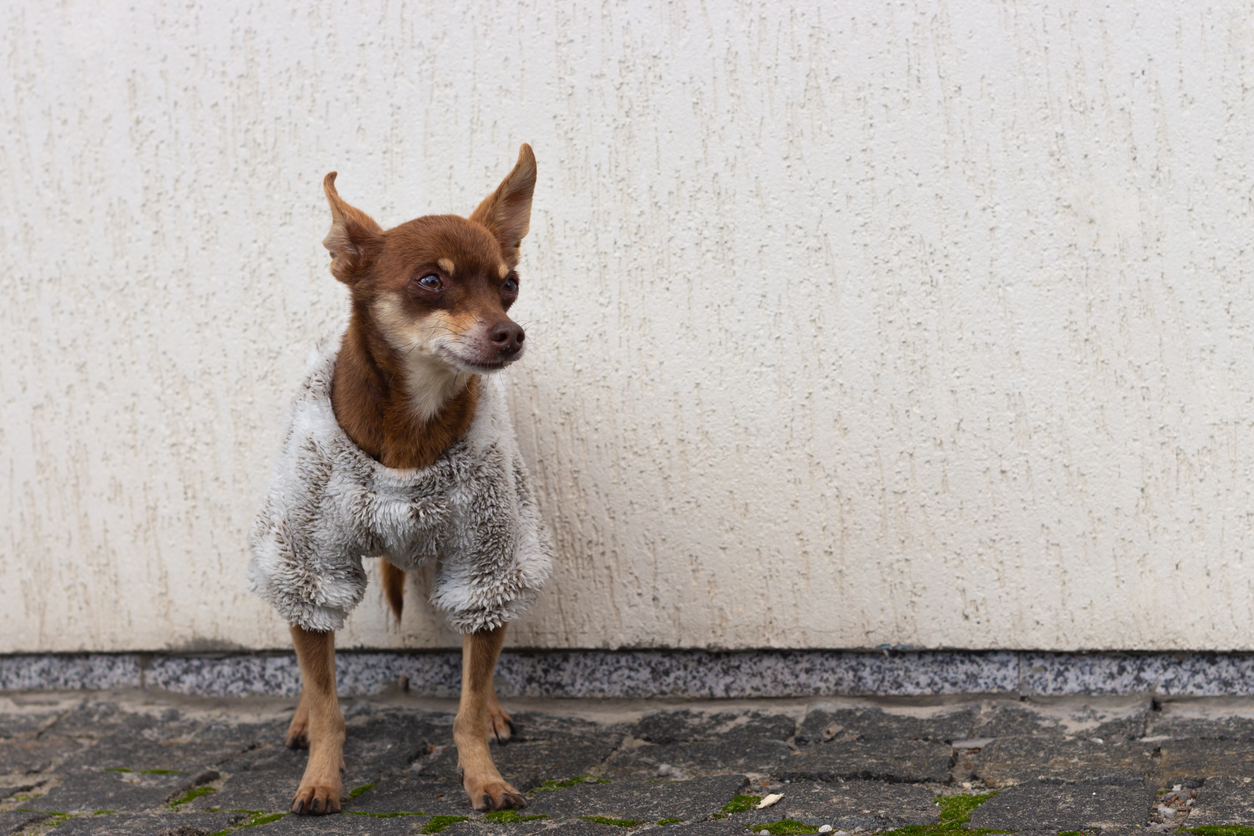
(316, 799)
(500, 726)
(492, 794)
(298, 729)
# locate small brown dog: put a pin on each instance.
(428, 318)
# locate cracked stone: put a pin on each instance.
(270, 791)
(27, 753)
(1222, 801)
(897, 761)
(1179, 724)
(703, 757)
(413, 795)
(531, 761)
(564, 827)
(13, 821)
(343, 824)
(703, 744)
(125, 749)
(706, 828)
(1016, 760)
(938, 723)
(669, 727)
(531, 726)
(89, 790)
(390, 743)
(647, 801)
(1190, 762)
(1125, 719)
(847, 805)
(147, 824)
(1064, 807)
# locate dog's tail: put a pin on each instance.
(394, 588)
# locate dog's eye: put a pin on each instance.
(430, 281)
(511, 285)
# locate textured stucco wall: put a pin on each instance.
(850, 324)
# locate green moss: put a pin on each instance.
(260, 819)
(57, 816)
(740, 804)
(955, 812)
(615, 822)
(957, 809)
(1222, 830)
(554, 786)
(192, 794)
(664, 822)
(510, 816)
(356, 791)
(257, 817)
(438, 823)
(784, 827)
(104, 812)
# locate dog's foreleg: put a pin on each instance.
(319, 790)
(500, 724)
(484, 785)
(298, 729)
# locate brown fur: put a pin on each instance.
(405, 389)
(373, 408)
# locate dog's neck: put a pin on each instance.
(403, 414)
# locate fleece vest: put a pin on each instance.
(329, 505)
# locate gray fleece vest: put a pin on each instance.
(330, 505)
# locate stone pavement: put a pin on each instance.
(134, 762)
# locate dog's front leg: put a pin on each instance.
(319, 790)
(484, 785)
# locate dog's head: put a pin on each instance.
(438, 287)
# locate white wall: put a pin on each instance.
(850, 324)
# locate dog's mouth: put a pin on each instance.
(476, 365)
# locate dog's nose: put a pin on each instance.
(507, 337)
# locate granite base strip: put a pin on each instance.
(660, 673)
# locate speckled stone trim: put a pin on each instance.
(659, 673)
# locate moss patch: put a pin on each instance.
(615, 822)
(1222, 830)
(740, 804)
(955, 812)
(192, 794)
(664, 822)
(438, 823)
(356, 791)
(510, 816)
(784, 827)
(554, 786)
(258, 818)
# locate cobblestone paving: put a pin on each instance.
(157, 764)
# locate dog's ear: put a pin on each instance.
(507, 211)
(353, 238)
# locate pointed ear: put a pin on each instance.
(507, 211)
(352, 238)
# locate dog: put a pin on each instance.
(400, 446)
